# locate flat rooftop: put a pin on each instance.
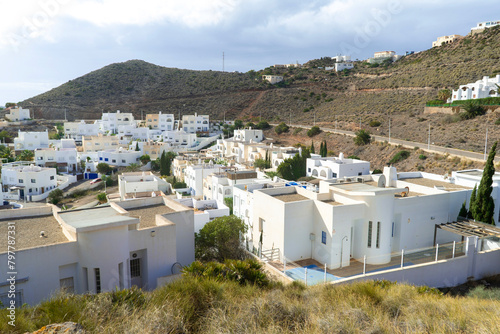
(28, 232)
(97, 218)
(435, 183)
(294, 197)
(147, 214)
(332, 202)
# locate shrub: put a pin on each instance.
(353, 157)
(422, 157)
(101, 197)
(400, 156)
(375, 124)
(178, 185)
(282, 127)
(313, 131)
(55, 196)
(362, 137)
(377, 171)
(472, 109)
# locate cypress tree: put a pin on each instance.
(312, 148)
(472, 205)
(484, 204)
(325, 149)
(463, 211)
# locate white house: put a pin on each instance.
(195, 123)
(18, 114)
(371, 216)
(111, 121)
(23, 180)
(445, 40)
(132, 132)
(204, 210)
(180, 138)
(76, 130)
(163, 122)
(335, 167)
(248, 135)
(119, 157)
(340, 67)
(194, 175)
(272, 79)
(65, 159)
(100, 142)
(279, 154)
(340, 59)
(484, 25)
(139, 243)
(487, 87)
(219, 185)
(31, 140)
(381, 56)
(133, 185)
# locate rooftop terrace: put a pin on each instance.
(294, 197)
(27, 232)
(147, 214)
(435, 184)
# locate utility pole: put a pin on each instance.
(314, 122)
(389, 129)
(336, 120)
(429, 140)
(290, 119)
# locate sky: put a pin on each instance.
(45, 43)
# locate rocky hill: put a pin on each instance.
(368, 92)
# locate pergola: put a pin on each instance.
(468, 228)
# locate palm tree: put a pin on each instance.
(444, 95)
(26, 155)
(5, 152)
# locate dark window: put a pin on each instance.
(378, 235)
(135, 268)
(97, 280)
(369, 234)
(323, 237)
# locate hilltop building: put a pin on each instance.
(18, 114)
(445, 40)
(487, 87)
(483, 25)
(272, 79)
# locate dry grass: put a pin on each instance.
(192, 306)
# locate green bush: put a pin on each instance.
(362, 137)
(422, 157)
(282, 127)
(55, 196)
(375, 124)
(101, 197)
(315, 130)
(377, 171)
(178, 185)
(400, 156)
(353, 157)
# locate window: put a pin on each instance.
(21, 181)
(135, 268)
(5, 298)
(334, 175)
(323, 237)
(369, 234)
(113, 160)
(67, 284)
(123, 161)
(97, 274)
(378, 235)
(106, 159)
(261, 224)
(33, 181)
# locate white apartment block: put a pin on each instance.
(152, 148)
(132, 132)
(340, 67)
(484, 25)
(111, 121)
(219, 185)
(119, 157)
(31, 140)
(163, 122)
(180, 138)
(272, 79)
(248, 135)
(445, 40)
(195, 123)
(335, 167)
(18, 114)
(65, 159)
(487, 87)
(279, 154)
(134, 185)
(141, 243)
(371, 216)
(381, 56)
(24, 180)
(194, 175)
(100, 142)
(76, 130)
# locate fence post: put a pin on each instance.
(305, 269)
(437, 251)
(364, 265)
(325, 273)
(402, 257)
(284, 265)
(453, 253)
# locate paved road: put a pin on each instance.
(410, 144)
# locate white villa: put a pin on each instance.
(111, 121)
(340, 67)
(18, 114)
(335, 167)
(65, 159)
(194, 175)
(195, 123)
(370, 216)
(100, 142)
(272, 79)
(141, 243)
(163, 122)
(484, 25)
(219, 185)
(487, 87)
(76, 130)
(445, 40)
(204, 210)
(119, 157)
(23, 180)
(31, 140)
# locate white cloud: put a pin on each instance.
(191, 13)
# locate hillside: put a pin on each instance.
(205, 305)
(366, 93)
